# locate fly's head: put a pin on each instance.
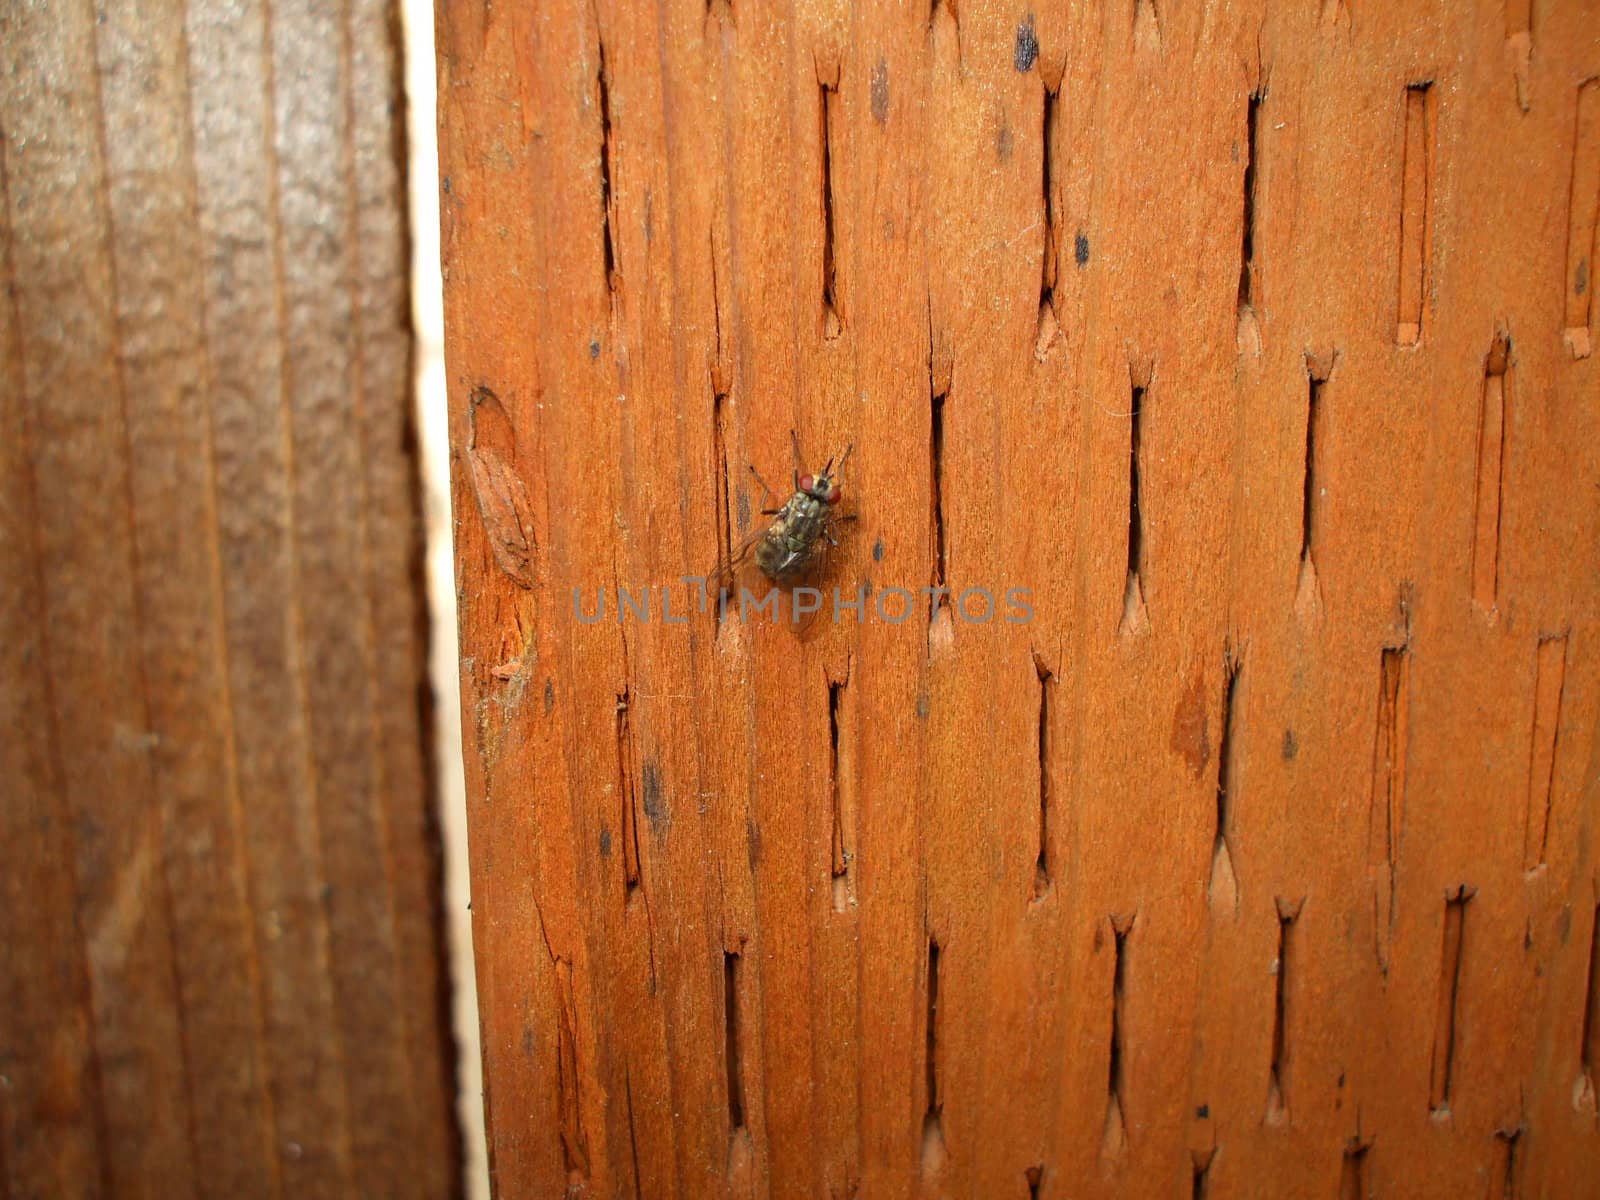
(824, 486)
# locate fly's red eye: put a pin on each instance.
(807, 483)
(833, 494)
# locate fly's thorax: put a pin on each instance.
(786, 550)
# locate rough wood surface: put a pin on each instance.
(1250, 339)
(221, 974)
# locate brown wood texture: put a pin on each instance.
(1251, 340)
(221, 972)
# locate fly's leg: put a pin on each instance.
(794, 440)
(766, 493)
(827, 530)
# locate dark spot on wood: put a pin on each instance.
(1291, 745)
(1080, 249)
(527, 1042)
(594, 349)
(655, 808)
(549, 694)
(1564, 925)
(877, 551)
(1190, 736)
(1002, 141)
(1580, 277)
(1203, 1112)
(880, 92)
(444, 185)
(1026, 52)
(605, 842)
(752, 838)
(922, 705)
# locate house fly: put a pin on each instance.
(789, 546)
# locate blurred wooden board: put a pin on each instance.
(1248, 340)
(219, 909)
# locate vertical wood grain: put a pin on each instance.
(223, 970)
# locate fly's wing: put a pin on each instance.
(720, 578)
(816, 576)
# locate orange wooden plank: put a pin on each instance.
(1186, 321)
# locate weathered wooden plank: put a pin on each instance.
(324, 389)
(222, 970)
(232, 100)
(51, 1106)
(165, 372)
(70, 350)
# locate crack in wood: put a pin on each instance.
(1550, 668)
(1589, 1038)
(608, 191)
(1386, 804)
(1416, 232)
(1114, 1142)
(1442, 1074)
(1134, 611)
(1354, 1183)
(1041, 871)
(1489, 482)
(1311, 495)
(1278, 1077)
(1247, 251)
(1508, 1167)
(842, 792)
(1222, 885)
(933, 1116)
(574, 1141)
(733, 1050)
(1049, 331)
(1583, 219)
(629, 820)
(827, 98)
